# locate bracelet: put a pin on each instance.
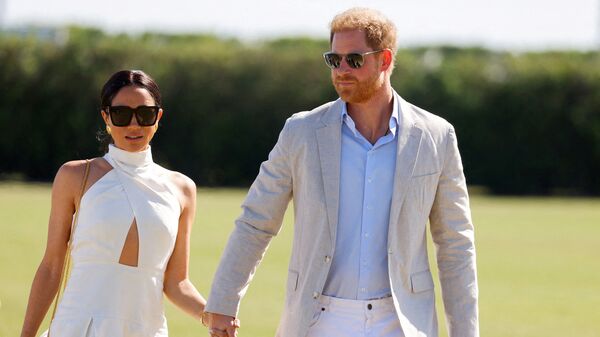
(202, 316)
(235, 321)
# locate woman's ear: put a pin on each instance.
(104, 116)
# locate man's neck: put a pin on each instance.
(372, 117)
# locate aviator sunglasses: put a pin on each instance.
(354, 60)
(144, 115)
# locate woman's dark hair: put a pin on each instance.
(115, 83)
(125, 78)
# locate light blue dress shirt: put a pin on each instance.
(359, 268)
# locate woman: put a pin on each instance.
(131, 240)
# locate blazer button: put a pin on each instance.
(315, 295)
(327, 258)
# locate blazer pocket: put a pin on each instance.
(421, 281)
(292, 282)
(422, 189)
(421, 175)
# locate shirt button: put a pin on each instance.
(369, 180)
(315, 295)
(369, 207)
(366, 235)
(327, 258)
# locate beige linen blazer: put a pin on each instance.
(304, 166)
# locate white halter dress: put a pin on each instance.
(104, 298)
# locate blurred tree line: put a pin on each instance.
(528, 123)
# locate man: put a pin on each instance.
(365, 173)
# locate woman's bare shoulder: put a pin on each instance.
(184, 183)
(72, 172)
(71, 169)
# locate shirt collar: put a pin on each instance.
(393, 123)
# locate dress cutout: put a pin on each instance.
(104, 298)
(131, 247)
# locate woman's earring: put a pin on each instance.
(108, 129)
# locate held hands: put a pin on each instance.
(220, 325)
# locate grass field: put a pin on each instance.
(538, 259)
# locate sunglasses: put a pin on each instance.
(354, 60)
(144, 115)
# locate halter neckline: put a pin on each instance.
(131, 159)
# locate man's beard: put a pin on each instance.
(361, 91)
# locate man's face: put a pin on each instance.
(356, 85)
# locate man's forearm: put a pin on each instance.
(243, 253)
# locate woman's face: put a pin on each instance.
(132, 138)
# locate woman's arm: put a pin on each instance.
(45, 283)
(177, 286)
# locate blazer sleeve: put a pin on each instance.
(453, 234)
(261, 219)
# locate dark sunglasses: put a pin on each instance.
(144, 115)
(354, 60)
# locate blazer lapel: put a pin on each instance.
(409, 140)
(329, 138)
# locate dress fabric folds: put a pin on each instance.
(104, 298)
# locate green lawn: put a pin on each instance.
(538, 258)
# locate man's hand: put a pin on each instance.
(220, 325)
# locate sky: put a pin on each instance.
(498, 24)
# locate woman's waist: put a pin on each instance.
(113, 268)
(112, 289)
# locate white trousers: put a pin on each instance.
(336, 317)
